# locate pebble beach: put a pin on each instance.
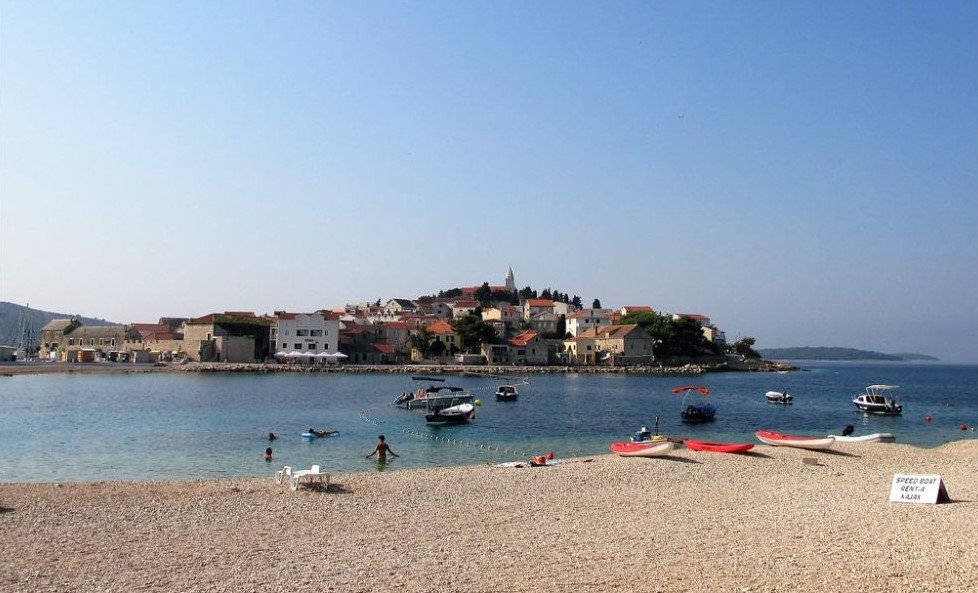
(775, 519)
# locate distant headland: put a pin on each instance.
(836, 353)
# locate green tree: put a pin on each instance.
(596, 304)
(473, 332)
(483, 294)
(422, 341)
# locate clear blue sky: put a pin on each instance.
(805, 173)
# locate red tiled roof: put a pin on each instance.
(540, 302)
(440, 327)
(384, 348)
(523, 338)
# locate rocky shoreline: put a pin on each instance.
(685, 368)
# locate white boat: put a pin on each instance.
(507, 393)
(876, 437)
(874, 402)
(779, 397)
(457, 414)
(787, 440)
(434, 397)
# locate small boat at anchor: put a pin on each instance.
(874, 402)
(698, 445)
(507, 393)
(653, 449)
(698, 412)
(457, 414)
(776, 439)
(779, 397)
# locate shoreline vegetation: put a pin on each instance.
(775, 519)
(724, 364)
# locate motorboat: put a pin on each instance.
(457, 414)
(653, 449)
(779, 397)
(874, 402)
(433, 397)
(507, 393)
(698, 412)
(776, 439)
(698, 445)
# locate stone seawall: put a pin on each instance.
(459, 369)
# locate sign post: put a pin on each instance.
(919, 489)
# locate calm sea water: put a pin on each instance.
(157, 426)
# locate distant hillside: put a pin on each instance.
(831, 353)
(13, 316)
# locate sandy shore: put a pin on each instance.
(690, 522)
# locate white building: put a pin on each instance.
(305, 332)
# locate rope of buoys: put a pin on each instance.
(448, 440)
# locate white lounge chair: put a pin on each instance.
(310, 477)
(283, 475)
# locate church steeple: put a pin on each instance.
(510, 280)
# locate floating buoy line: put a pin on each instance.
(365, 415)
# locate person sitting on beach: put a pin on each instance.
(381, 450)
(268, 454)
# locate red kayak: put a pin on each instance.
(697, 445)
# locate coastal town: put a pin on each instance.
(489, 325)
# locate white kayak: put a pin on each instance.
(876, 437)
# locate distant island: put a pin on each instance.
(834, 353)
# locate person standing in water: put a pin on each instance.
(381, 450)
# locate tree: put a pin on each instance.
(437, 348)
(576, 301)
(422, 341)
(745, 347)
(596, 304)
(483, 294)
(473, 331)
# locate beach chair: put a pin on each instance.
(283, 475)
(310, 477)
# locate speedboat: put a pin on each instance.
(874, 402)
(779, 397)
(433, 397)
(776, 439)
(507, 393)
(652, 449)
(457, 414)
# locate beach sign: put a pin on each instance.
(920, 489)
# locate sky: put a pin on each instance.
(803, 173)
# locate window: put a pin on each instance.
(284, 345)
(298, 346)
(301, 333)
(315, 332)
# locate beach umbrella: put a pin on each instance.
(340, 355)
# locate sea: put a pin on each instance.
(89, 427)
